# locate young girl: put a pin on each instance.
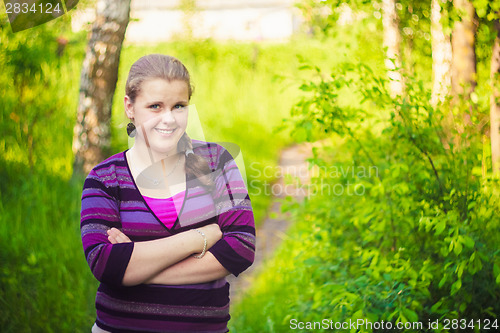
(164, 222)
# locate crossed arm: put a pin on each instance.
(149, 265)
(115, 260)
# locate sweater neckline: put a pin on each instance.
(145, 201)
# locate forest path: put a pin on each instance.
(294, 173)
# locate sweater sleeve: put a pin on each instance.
(236, 249)
(100, 213)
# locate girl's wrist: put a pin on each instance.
(204, 250)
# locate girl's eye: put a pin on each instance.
(180, 107)
(154, 106)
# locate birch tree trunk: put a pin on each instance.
(392, 42)
(463, 79)
(495, 101)
(91, 141)
(441, 57)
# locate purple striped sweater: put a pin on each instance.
(111, 199)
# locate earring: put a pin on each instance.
(131, 130)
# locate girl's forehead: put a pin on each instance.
(164, 88)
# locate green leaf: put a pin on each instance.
(460, 269)
(458, 248)
(411, 315)
(440, 227)
(443, 281)
(312, 261)
(436, 306)
(357, 315)
(393, 314)
(469, 242)
(455, 287)
(472, 257)
(496, 271)
(491, 16)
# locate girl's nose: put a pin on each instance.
(167, 117)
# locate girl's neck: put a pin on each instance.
(143, 157)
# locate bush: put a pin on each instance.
(401, 224)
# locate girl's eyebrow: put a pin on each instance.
(182, 101)
(154, 102)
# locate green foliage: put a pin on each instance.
(489, 10)
(34, 64)
(410, 235)
(320, 16)
(406, 233)
(40, 251)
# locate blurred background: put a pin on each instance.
(399, 100)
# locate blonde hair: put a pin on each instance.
(166, 67)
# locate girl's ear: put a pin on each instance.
(129, 107)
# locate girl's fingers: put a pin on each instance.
(116, 236)
(122, 238)
(112, 240)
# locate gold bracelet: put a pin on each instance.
(204, 245)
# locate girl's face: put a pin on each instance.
(160, 114)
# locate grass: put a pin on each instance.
(45, 286)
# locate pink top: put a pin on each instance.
(166, 209)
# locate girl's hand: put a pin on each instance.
(115, 236)
(212, 232)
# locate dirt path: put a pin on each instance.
(272, 231)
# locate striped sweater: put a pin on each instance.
(111, 198)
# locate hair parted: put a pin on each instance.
(160, 66)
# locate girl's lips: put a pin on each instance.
(165, 132)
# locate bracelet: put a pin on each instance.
(199, 256)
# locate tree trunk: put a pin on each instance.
(463, 79)
(92, 136)
(495, 102)
(441, 57)
(392, 42)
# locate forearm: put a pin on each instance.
(191, 271)
(152, 257)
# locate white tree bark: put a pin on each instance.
(392, 43)
(92, 134)
(463, 79)
(441, 57)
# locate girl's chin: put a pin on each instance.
(162, 149)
